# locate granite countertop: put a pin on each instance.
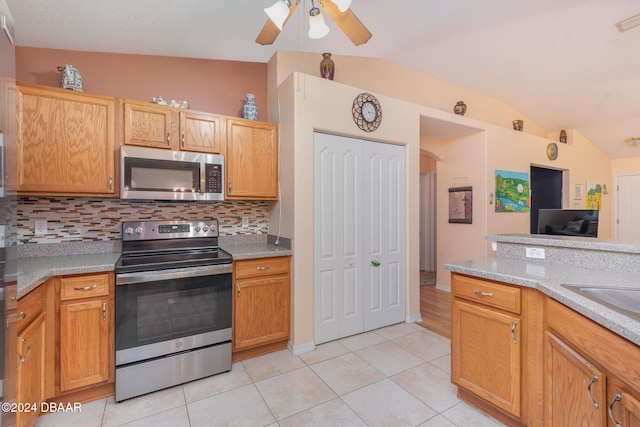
(256, 250)
(599, 244)
(548, 278)
(35, 270)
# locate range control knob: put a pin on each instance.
(205, 228)
(213, 227)
(139, 230)
(197, 228)
(129, 230)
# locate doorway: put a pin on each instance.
(628, 206)
(546, 192)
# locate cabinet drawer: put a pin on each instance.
(261, 267)
(76, 287)
(487, 293)
(31, 305)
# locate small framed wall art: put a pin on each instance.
(461, 205)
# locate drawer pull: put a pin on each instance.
(615, 399)
(22, 316)
(86, 288)
(483, 294)
(263, 268)
(594, 379)
(24, 359)
(513, 332)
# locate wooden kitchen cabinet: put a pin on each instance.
(496, 348)
(251, 160)
(86, 325)
(262, 306)
(31, 350)
(65, 142)
(159, 126)
(577, 350)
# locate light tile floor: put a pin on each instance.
(393, 376)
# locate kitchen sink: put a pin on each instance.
(623, 300)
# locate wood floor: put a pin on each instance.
(435, 309)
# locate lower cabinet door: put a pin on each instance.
(575, 390)
(262, 311)
(84, 343)
(30, 379)
(623, 406)
(485, 354)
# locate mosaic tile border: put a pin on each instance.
(73, 219)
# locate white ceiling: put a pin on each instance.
(562, 63)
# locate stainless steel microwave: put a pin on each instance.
(156, 174)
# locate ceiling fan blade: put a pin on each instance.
(348, 23)
(270, 31)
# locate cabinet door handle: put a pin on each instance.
(86, 288)
(263, 268)
(513, 332)
(24, 359)
(168, 139)
(22, 316)
(182, 140)
(238, 293)
(594, 379)
(483, 294)
(104, 311)
(229, 185)
(615, 399)
(110, 183)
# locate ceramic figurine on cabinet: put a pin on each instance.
(70, 77)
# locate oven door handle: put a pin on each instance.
(176, 273)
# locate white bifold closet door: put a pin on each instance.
(358, 236)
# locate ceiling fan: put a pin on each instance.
(338, 10)
(633, 141)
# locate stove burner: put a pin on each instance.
(149, 247)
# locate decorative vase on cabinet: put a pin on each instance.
(460, 108)
(327, 66)
(249, 110)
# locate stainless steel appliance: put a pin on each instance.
(173, 305)
(155, 174)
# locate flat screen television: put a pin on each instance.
(568, 222)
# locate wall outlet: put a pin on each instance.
(245, 222)
(537, 253)
(40, 226)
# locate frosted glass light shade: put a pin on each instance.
(342, 4)
(278, 13)
(317, 27)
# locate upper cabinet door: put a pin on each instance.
(251, 160)
(66, 142)
(149, 125)
(200, 132)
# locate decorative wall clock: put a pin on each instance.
(367, 112)
(552, 151)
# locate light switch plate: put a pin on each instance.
(40, 226)
(245, 222)
(537, 253)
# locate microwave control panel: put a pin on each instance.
(213, 181)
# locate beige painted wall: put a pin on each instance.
(468, 150)
(630, 165)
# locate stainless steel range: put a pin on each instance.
(173, 305)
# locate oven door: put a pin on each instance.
(169, 311)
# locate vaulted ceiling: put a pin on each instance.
(562, 63)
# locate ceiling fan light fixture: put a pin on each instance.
(628, 23)
(317, 27)
(279, 12)
(633, 141)
(343, 5)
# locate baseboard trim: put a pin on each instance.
(301, 348)
(413, 318)
(445, 288)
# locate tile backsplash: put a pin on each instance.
(74, 219)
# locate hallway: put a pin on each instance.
(435, 306)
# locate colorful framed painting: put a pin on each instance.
(461, 205)
(512, 191)
(594, 195)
